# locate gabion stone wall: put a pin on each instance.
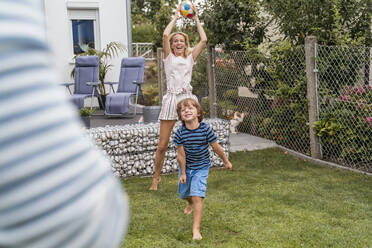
(132, 148)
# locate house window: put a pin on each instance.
(82, 35)
(84, 29)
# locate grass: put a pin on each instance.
(270, 199)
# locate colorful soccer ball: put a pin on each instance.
(187, 9)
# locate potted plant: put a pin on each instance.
(152, 107)
(112, 49)
(85, 115)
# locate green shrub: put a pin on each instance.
(231, 95)
(205, 106)
(85, 111)
(345, 127)
(199, 80)
(151, 73)
(327, 127)
(143, 33)
(150, 95)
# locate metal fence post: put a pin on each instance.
(159, 56)
(310, 49)
(212, 81)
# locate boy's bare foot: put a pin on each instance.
(155, 182)
(196, 235)
(188, 209)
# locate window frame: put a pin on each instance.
(82, 13)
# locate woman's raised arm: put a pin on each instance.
(167, 32)
(203, 37)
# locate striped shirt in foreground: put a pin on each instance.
(56, 188)
(196, 144)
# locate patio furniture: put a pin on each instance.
(130, 81)
(86, 80)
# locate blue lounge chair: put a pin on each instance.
(86, 80)
(130, 81)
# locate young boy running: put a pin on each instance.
(192, 140)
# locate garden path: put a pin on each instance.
(246, 142)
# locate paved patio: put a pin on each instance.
(100, 120)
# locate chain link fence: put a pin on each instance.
(345, 105)
(270, 91)
(199, 82)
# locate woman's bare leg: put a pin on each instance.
(197, 203)
(166, 127)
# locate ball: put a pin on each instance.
(187, 9)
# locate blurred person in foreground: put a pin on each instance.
(56, 188)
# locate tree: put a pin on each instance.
(150, 8)
(331, 21)
(232, 22)
(161, 20)
(356, 18)
(149, 19)
(143, 33)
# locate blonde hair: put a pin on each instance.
(188, 50)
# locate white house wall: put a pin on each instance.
(112, 27)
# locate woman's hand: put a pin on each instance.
(177, 14)
(195, 16)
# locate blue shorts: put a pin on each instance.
(196, 183)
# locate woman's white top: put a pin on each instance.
(178, 71)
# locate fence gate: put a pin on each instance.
(144, 50)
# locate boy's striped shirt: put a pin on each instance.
(196, 144)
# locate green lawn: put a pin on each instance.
(270, 199)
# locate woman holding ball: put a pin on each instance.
(178, 62)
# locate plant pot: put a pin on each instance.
(151, 113)
(86, 121)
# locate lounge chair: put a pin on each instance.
(130, 81)
(86, 80)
